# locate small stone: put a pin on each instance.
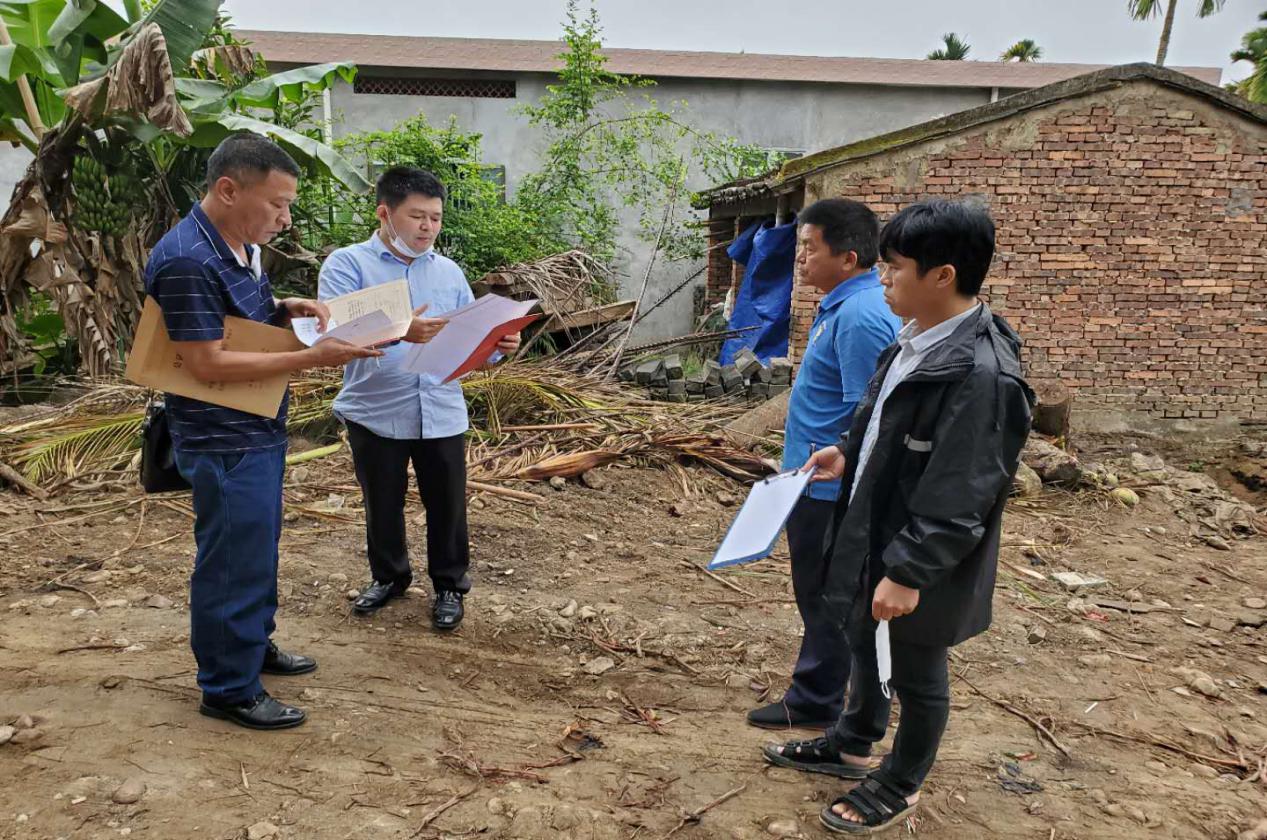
(1074, 581)
(725, 499)
(1157, 767)
(24, 722)
(1026, 482)
(338, 577)
(599, 665)
(558, 482)
(1095, 660)
(6, 734)
(1036, 635)
(299, 474)
(783, 828)
(593, 479)
(1254, 603)
(352, 594)
(50, 600)
(97, 577)
(129, 792)
(158, 602)
(1222, 623)
(497, 806)
(1205, 771)
(27, 736)
(261, 831)
(1215, 541)
(568, 610)
(587, 613)
(114, 603)
(1125, 496)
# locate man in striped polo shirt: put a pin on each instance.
(206, 268)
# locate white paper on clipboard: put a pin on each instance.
(757, 525)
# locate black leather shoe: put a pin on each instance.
(447, 612)
(286, 664)
(377, 594)
(781, 716)
(260, 712)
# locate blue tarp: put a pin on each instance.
(767, 253)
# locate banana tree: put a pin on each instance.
(121, 115)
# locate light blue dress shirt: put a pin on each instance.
(376, 393)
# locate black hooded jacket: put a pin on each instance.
(928, 510)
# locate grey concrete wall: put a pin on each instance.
(798, 116)
(13, 163)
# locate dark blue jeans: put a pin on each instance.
(233, 590)
(822, 668)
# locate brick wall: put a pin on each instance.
(1132, 243)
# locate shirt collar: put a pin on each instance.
(867, 280)
(384, 253)
(222, 249)
(921, 341)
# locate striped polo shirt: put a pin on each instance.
(197, 280)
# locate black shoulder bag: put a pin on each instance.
(158, 456)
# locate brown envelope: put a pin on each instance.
(155, 361)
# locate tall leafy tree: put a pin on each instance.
(953, 48)
(1145, 9)
(1254, 50)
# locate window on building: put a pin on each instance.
(405, 86)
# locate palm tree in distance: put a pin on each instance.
(1144, 9)
(953, 49)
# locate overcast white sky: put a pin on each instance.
(1091, 31)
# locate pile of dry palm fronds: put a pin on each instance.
(531, 420)
(566, 282)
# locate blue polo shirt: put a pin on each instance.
(198, 280)
(852, 328)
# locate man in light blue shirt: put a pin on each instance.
(395, 417)
(837, 252)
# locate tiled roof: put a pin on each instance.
(515, 56)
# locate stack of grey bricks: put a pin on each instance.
(746, 378)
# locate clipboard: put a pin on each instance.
(757, 526)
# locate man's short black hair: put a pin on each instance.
(247, 157)
(400, 182)
(938, 232)
(847, 226)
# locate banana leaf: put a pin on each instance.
(209, 131)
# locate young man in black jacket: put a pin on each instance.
(927, 462)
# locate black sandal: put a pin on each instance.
(880, 806)
(813, 756)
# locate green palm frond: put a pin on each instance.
(80, 445)
(954, 49)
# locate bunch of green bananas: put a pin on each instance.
(104, 202)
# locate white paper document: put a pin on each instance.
(757, 526)
(472, 330)
(365, 318)
(366, 331)
(392, 298)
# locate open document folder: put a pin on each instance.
(366, 317)
(469, 338)
(756, 527)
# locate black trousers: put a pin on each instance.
(822, 668)
(921, 682)
(382, 470)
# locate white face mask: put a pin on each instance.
(400, 245)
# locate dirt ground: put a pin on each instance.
(598, 686)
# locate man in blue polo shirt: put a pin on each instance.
(206, 268)
(838, 242)
(395, 417)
